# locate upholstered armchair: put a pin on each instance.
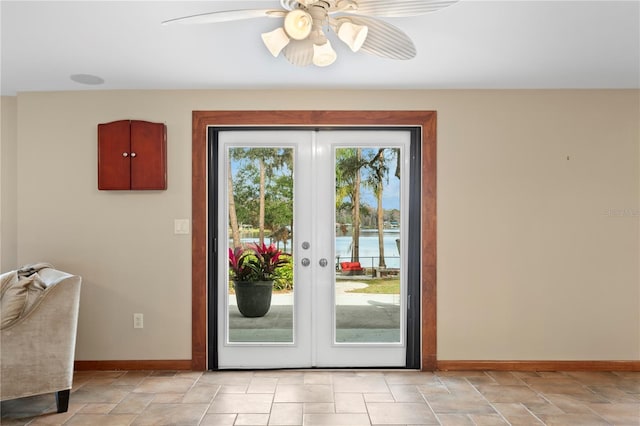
(39, 320)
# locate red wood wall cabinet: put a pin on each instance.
(132, 155)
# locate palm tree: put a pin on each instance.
(379, 171)
(355, 250)
(348, 165)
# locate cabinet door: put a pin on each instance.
(114, 162)
(148, 155)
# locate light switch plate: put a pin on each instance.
(138, 321)
(181, 226)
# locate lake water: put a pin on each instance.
(369, 256)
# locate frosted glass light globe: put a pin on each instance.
(324, 55)
(298, 24)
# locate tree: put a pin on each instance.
(279, 208)
(261, 162)
(378, 174)
(237, 186)
(260, 171)
(355, 254)
(233, 216)
(246, 187)
(348, 165)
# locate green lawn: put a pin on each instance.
(379, 286)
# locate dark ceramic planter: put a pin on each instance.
(253, 298)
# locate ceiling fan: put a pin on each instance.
(302, 38)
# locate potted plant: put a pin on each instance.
(252, 271)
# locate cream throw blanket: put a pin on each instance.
(19, 290)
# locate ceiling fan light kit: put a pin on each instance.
(275, 41)
(298, 24)
(324, 55)
(302, 39)
(353, 35)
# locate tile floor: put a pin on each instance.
(318, 397)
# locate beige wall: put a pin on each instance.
(8, 184)
(531, 264)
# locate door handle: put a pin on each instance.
(323, 262)
(305, 262)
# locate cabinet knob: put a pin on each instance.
(133, 154)
(124, 154)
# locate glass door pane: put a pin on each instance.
(367, 245)
(260, 205)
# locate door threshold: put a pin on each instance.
(323, 369)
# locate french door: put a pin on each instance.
(338, 202)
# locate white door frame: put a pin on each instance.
(326, 353)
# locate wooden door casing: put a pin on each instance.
(201, 120)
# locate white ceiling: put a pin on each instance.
(472, 44)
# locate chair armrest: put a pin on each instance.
(38, 349)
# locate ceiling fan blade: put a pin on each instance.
(384, 39)
(225, 16)
(397, 8)
(299, 52)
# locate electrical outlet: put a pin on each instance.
(138, 321)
